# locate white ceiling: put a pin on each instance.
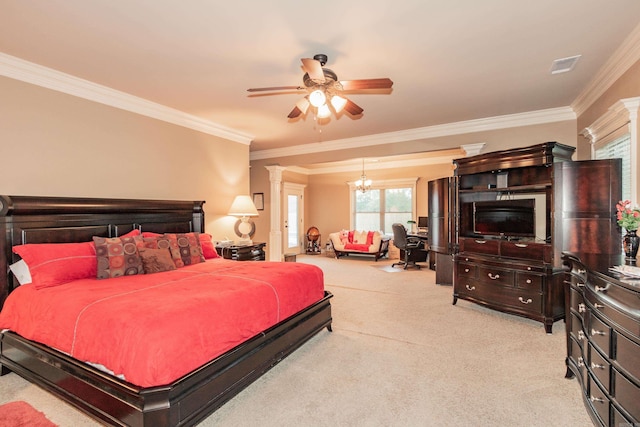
(451, 61)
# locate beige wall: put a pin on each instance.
(327, 195)
(53, 144)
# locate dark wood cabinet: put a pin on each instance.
(520, 271)
(441, 194)
(603, 338)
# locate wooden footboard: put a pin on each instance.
(185, 402)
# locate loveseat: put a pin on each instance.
(355, 242)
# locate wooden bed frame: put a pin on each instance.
(187, 401)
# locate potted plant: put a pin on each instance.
(629, 219)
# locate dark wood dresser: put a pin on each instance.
(603, 338)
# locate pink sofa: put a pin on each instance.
(347, 242)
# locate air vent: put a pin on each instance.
(564, 64)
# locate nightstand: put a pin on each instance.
(254, 252)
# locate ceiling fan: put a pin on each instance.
(324, 89)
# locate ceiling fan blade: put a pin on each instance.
(294, 113)
(384, 83)
(352, 108)
(262, 89)
(301, 108)
(314, 69)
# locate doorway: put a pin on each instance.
(293, 217)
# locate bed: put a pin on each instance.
(165, 398)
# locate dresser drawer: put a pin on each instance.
(626, 394)
(602, 304)
(599, 401)
(576, 355)
(466, 270)
(577, 301)
(532, 251)
(600, 335)
(529, 281)
(600, 367)
(520, 300)
(496, 276)
(481, 246)
(627, 355)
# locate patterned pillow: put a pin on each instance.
(185, 248)
(156, 260)
(117, 256)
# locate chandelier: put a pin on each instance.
(363, 184)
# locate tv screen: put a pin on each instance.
(423, 221)
(505, 218)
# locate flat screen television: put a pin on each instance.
(508, 218)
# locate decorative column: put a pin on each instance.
(275, 233)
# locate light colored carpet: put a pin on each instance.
(400, 354)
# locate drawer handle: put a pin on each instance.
(594, 332)
(528, 281)
(582, 308)
(580, 285)
(596, 305)
(580, 361)
(596, 399)
(580, 335)
(493, 277)
(596, 366)
(602, 288)
(466, 270)
(481, 242)
(521, 245)
(581, 271)
(470, 288)
(527, 301)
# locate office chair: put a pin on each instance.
(407, 244)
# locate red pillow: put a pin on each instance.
(53, 264)
(208, 250)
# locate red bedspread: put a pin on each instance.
(155, 328)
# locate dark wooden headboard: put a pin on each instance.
(32, 219)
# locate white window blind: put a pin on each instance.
(619, 148)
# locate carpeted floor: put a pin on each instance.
(400, 354)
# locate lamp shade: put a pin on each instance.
(243, 206)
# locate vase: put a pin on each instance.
(630, 245)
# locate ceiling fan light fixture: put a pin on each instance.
(338, 103)
(323, 111)
(317, 98)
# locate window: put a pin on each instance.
(615, 134)
(386, 203)
(620, 148)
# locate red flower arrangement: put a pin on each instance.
(628, 217)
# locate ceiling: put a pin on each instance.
(450, 61)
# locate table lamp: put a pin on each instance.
(243, 207)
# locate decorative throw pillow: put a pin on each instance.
(156, 260)
(117, 256)
(53, 264)
(208, 249)
(185, 248)
(360, 237)
(344, 237)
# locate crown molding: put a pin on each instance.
(38, 75)
(622, 59)
(456, 128)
